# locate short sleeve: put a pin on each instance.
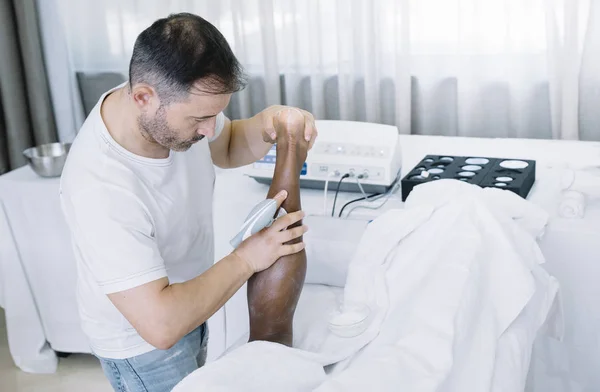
(115, 237)
(219, 125)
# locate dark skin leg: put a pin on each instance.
(273, 293)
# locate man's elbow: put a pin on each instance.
(221, 160)
(222, 164)
(163, 344)
(160, 338)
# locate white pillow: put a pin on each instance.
(330, 246)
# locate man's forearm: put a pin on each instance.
(198, 299)
(246, 144)
(173, 311)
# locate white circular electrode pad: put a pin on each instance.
(504, 179)
(477, 161)
(466, 174)
(435, 171)
(446, 159)
(471, 167)
(500, 184)
(514, 164)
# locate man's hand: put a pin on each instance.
(268, 117)
(264, 248)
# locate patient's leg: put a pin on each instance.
(274, 292)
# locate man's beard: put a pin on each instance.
(157, 130)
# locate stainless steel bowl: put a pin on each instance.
(48, 160)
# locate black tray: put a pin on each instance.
(516, 175)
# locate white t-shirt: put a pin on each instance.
(133, 220)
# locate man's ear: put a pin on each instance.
(145, 98)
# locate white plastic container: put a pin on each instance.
(351, 321)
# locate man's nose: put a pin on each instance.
(208, 128)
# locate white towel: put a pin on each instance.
(572, 205)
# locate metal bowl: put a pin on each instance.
(48, 160)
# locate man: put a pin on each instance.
(137, 195)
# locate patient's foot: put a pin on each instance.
(289, 125)
(273, 293)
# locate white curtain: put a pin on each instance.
(486, 68)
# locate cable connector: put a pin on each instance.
(358, 178)
(331, 174)
(338, 191)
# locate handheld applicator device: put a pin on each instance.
(261, 216)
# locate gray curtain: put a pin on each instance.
(26, 117)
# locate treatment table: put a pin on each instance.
(37, 269)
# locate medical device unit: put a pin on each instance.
(360, 157)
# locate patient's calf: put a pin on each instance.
(273, 293)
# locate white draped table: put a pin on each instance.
(38, 274)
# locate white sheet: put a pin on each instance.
(31, 291)
(329, 248)
(457, 296)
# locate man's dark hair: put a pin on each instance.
(179, 50)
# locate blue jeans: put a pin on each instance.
(158, 370)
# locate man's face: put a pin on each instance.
(180, 124)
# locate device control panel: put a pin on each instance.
(334, 171)
(352, 150)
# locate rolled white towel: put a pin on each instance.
(572, 205)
